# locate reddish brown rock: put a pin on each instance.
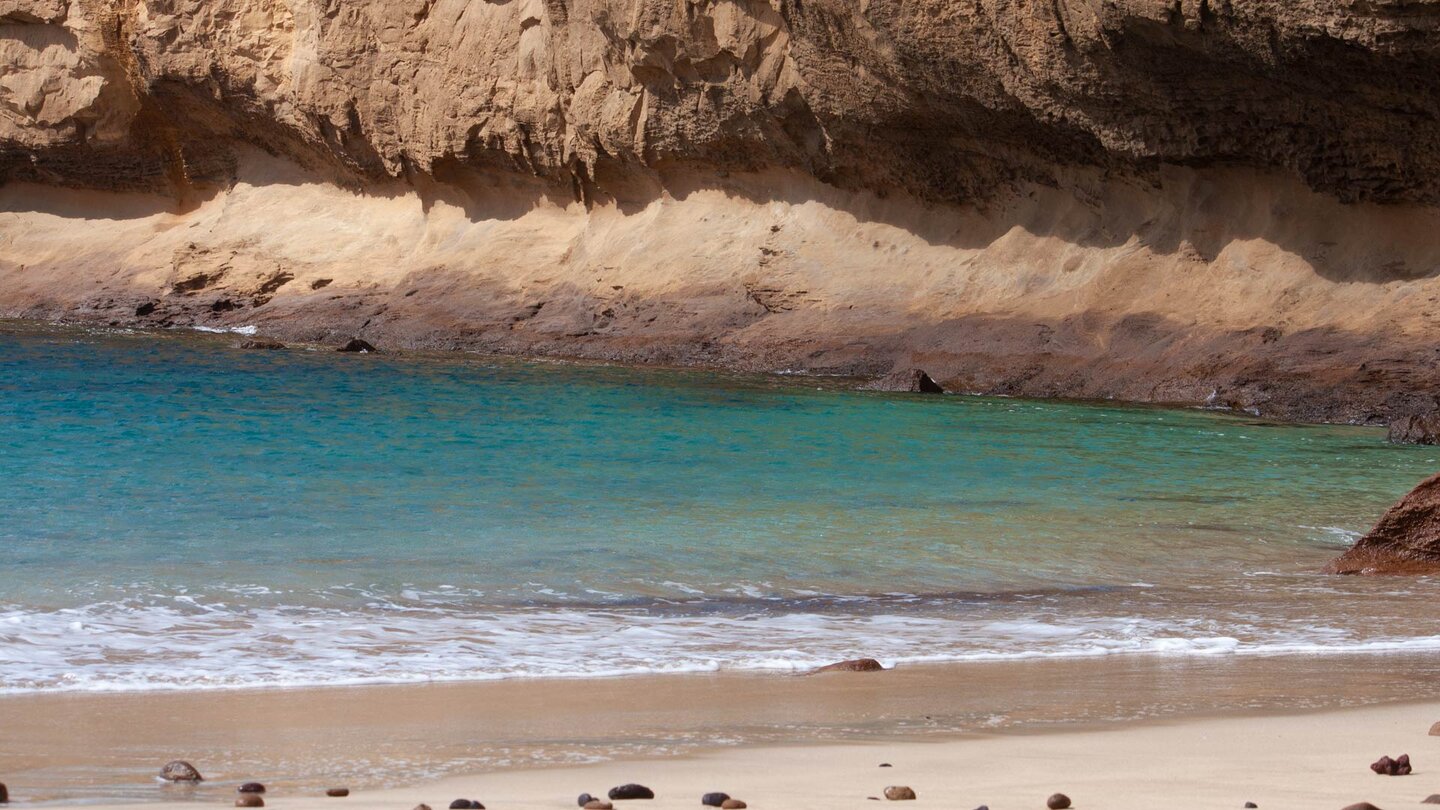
(1385, 766)
(1360, 806)
(899, 793)
(1058, 801)
(1435, 729)
(854, 665)
(1433, 798)
(598, 804)
(4, 793)
(338, 793)
(249, 800)
(1405, 541)
(733, 804)
(251, 787)
(1415, 428)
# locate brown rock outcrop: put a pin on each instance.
(1405, 541)
(1415, 428)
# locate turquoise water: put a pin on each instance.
(182, 514)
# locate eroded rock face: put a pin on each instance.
(944, 100)
(1405, 541)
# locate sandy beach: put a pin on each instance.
(1114, 733)
(1311, 760)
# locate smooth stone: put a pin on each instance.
(733, 804)
(1250, 805)
(886, 765)
(1435, 730)
(1360, 806)
(4, 794)
(714, 799)
(598, 804)
(466, 804)
(359, 346)
(338, 793)
(251, 787)
(1433, 798)
(631, 791)
(249, 800)
(422, 807)
(853, 665)
(899, 793)
(1058, 801)
(585, 798)
(180, 771)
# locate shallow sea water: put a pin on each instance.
(180, 514)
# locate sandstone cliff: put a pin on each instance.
(1223, 200)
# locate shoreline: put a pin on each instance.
(845, 380)
(390, 741)
(1306, 758)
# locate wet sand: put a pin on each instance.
(1120, 732)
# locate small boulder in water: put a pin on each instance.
(1405, 541)
(631, 791)
(1057, 801)
(714, 799)
(854, 665)
(358, 346)
(337, 793)
(899, 793)
(249, 800)
(251, 787)
(909, 381)
(180, 771)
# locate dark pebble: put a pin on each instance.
(1058, 801)
(583, 800)
(1251, 805)
(886, 765)
(466, 804)
(631, 791)
(249, 800)
(251, 787)
(180, 771)
(422, 807)
(1360, 806)
(4, 794)
(338, 793)
(714, 799)
(359, 346)
(1385, 766)
(1433, 798)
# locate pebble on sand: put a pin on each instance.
(466, 804)
(1360, 806)
(1385, 766)
(251, 787)
(1435, 729)
(1058, 801)
(886, 765)
(631, 791)
(338, 793)
(4, 793)
(598, 804)
(899, 793)
(249, 800)
(733, 804)
(585, 798)
(714, 799)
(1251, 805)
(422, 807)
(180, 771)
(1433, 798)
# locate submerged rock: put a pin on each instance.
(631, 791)
(899, 793)
(262, 344)
(180, 771)
(1405, 541)
(853, 665)
(714, 799)
(912, 381)
(359, 346)
(1415, 428)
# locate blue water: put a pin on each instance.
(182, 514)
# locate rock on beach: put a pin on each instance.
(180, 771)
(1058, 801)
(853, 665)
(899, 793)
(631, 791)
